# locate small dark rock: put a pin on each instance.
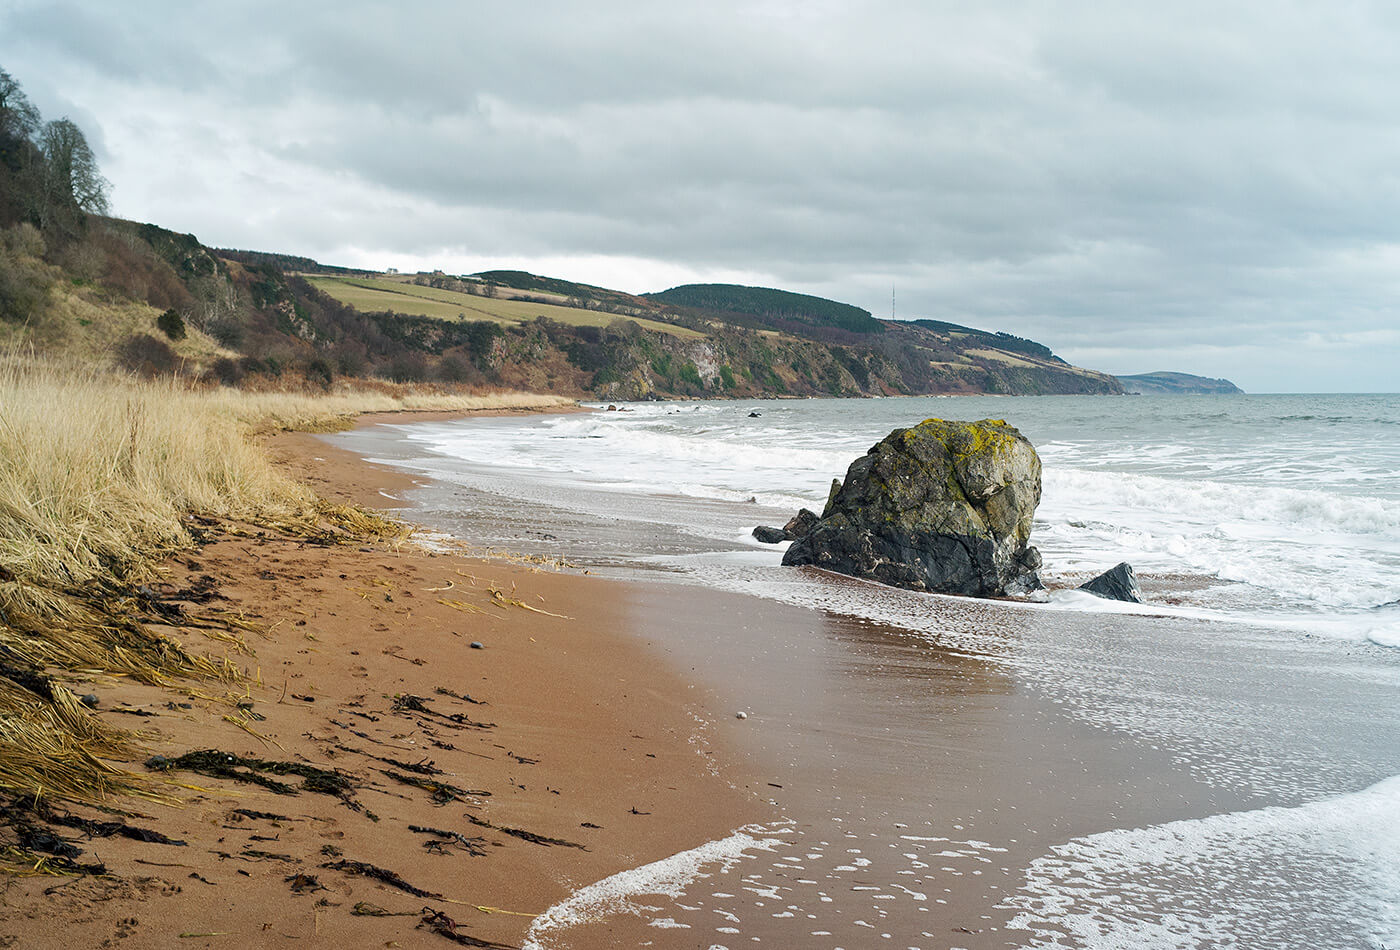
(158, 762)
(755, 414)
(770, 535)
(612, 408)
(477, 645)
(89, 700)
(1118, 583)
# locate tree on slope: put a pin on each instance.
(71, 186)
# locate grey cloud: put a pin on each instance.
(1183, 178)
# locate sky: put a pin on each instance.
(1211, 188)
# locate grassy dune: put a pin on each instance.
(100, 476)
(372, 294)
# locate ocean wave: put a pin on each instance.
(668, 877)
(1321, 874)
(1210, 501)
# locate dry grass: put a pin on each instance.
(337, 410)
(97, 473)
(101, 477)
(383, 293)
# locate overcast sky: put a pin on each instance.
(1212, 187)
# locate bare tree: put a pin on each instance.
(19, 120)
(71, 185)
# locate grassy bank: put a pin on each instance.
(101, 477)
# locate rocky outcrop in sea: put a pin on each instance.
(942, 506)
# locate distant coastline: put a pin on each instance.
(1163, 383)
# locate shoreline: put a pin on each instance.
(909, 784)
(560, 752)
(924, 777)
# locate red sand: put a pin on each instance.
(589, 742)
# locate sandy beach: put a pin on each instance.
(927, 785)
(557, 752)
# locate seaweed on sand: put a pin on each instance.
(444, 926)
(524, 835)
(218, 764)
(472, 846)
(442, 792)
(408, 703)
(383, 875)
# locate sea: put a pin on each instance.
(1216, 767)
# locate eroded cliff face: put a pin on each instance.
(942, 506)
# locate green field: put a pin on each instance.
(371, 294)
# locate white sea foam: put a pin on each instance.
(1176, 489)
(668, 877)
(1233, 880)
(1386, 635)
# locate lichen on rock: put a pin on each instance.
(942, 506)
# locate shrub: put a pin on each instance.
(24, 280)
(227, 371)
(171, 324)
(319, 371)
(147, 356)
(408, 368)
(690, 373)
(452, 369)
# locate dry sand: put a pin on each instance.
(573, 732)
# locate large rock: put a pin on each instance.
(943, 506)
(1116, 583)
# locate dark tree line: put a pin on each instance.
(49, 184)
(48, 173)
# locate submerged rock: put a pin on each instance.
(943, 506)
(1117, 583)
(798, 526)
(769, 535)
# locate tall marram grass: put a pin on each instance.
(319, 413)
(99, 475)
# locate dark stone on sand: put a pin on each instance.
(770, 535)
(89, 700)
(478, 645)
(1117, 583)
(943, 507)
(801, 524)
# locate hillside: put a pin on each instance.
(142, 299)
(800, 314)
(610, 345)
(148, 300)
(1178, 384)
